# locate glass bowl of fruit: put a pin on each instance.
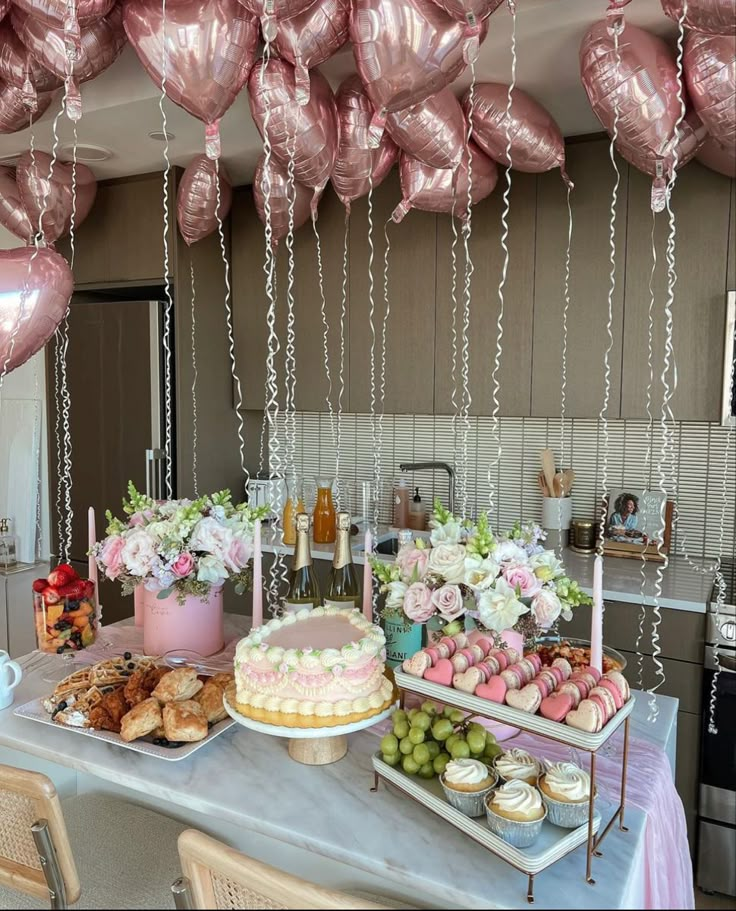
(64, 611)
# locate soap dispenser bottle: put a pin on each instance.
(8, 545)
(417, 516)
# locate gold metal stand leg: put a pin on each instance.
(625, 764)
(591, 804)
(530, 889)
(376, 779)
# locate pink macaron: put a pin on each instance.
(530, 671)
(493, 666)
(485, 671)
(513, 678)
(500, 656)
(559, 676)
(581, 684)
(601, 705)
(535, 660)
(606, 684)
(557, 706)
(564, 665)
(588, 678)
(484, 644)
(572, 690)
(542, 685)
(593, 671)
(495, 690)
(468, 652)
(450, 644)
(443, 650)
(433, 654)
(606, 698)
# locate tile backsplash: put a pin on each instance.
(699, 451)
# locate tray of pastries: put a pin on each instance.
(137, 703)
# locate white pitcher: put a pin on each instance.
(10, 676)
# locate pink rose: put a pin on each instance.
(418, 602)
(111, 556)
(523, 579)
(411, 560)
(238, 554)
(449, 602)
(183, 565)
(546, 608)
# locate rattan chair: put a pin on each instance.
(216, 877)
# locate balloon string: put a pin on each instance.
(495, 378)
(341, 381)
(264, 422)
(455, 365)
(194, 374)
(290, 359)
(65, 409)
(371, 318)
(60, 442)
(384, 336)
(325, 332)
(565, 315)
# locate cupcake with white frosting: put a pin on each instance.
(515, 812)
(565, 790)
(516, 764)
(467, 783)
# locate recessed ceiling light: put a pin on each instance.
(161, 136)
(85, 152)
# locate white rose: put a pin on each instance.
(448, 560)
(211, 570)
(395, 595)
(546, 566)
(499, 608)
(446, 534)
(509, 551)
(480, 573)
(546, 608)
(212, 538)
(139, 552)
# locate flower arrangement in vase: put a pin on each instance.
(504, 583)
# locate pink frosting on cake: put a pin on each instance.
(324, 632)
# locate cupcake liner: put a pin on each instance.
(513, 832)
(565, 814)
(532, 779)
(470, 803)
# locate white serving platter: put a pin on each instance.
(552, 844)
(35, 711)
(536, 724)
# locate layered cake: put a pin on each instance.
(314, 668)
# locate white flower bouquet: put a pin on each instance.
(182, 546)
(510, 582)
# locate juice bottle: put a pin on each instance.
(325, 526)
(294, 504)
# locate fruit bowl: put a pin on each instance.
(65, 612)
(618, 661)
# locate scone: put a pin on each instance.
(142, 719)
(185, 721)
(178, 685)
(210, 698)
(222, 680)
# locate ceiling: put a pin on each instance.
(121, 105)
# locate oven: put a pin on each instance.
(716, 866)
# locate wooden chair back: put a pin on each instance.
(220, 877)
(25, 799)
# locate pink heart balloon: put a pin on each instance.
(269, 12)
(431, 189)
(100, 44)
(718, 158)
(433, 131)
(710, 73)
(196, 199)
(4, 7)
(466, 10)
(279, 193)
(309, 131)
(54, 12)
(12, 214)
(357, 164)
(14, 114)
(54, 196)
(714, 17)
(310, 38)
(37, 285)
(17, 65)
(406, 50)
(210, 50)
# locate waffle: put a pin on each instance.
(117, 670)
(77, 715)
(74, 683)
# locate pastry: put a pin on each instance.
(620, 682)
(221, 680)
(442, 672)
(494, 689)
(142, 719)
(569, 688)
(527, 699)
(450, 644)
(556, 706)
(513, 677)
(467, 783)
(578, 657)
(468, 680)
(178, 685)
(184, 721)
(565, 790)
(417, 665)
(517, 764)
(588, 716)
(210, 698)
(535, 660)
(492, 664)
(515, 813)
(542, 684)
(459, 663)
(528, 668)
(485, 645)
(512, 655)
(500, 656)
(564, 665)
(607, 698)
(74, 712)
(142, 683)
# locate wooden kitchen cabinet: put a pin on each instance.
(701, 202)
(487, 257)
(589, 166)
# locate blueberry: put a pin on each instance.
(60, 650)
(131, 666)
(58, 625)
(127, 656)
(159, 741)
(173, 744)
(61, 706)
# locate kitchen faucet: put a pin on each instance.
(431, 466)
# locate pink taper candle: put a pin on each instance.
(596, 626)
(367, 579)
(257, 576)
(92, 536)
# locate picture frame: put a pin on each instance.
(633, 523)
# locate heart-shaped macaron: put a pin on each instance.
(606, 684)
(500, 656)
(433, 654)
(459, 663)
(495, 690)
(441, 673)
(586, 717)
(493, 666)
(528, 699)
(450, 643)
(535, 660)
(556, 706)
(485, 644)
(606, 698)
(564, 665)
(593, 671)
(468, 680)
(542, 685)
(417, 664)
(513, 678)
(572, 690)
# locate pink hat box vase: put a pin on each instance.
(196, 625)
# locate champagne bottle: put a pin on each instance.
(344, 587)
(303, 585)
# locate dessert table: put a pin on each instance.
(325, 824)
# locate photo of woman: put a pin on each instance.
(623, 523)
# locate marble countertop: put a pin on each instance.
(247, 779)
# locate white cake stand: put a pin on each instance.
(311, 746)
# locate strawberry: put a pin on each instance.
(89, 589)
(51, 595)
(39, 585)
(73, 590)
(62, 575)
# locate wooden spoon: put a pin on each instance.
(568, 479)
(542, 484)
(548, 467)
(558, 488)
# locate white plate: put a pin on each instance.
(553, 842)
(35, 711)
(277, 730)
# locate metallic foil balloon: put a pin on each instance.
(311, 37)
(100, 44)
(433, 131)
(55, 12)
(469, 11)
(20, 69)
(35, 285)
(14, 112)
(12, 213)
(640, 89)
(196, 200)
(54, 195)
(443, 190)
(269, 12)
(279, 193)
(358, 165)
(714, 17)
(309, 131)
(210, 49)
(710, 74)
(4, 8)
(717, 157)
(536, 141)
(405, 51)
